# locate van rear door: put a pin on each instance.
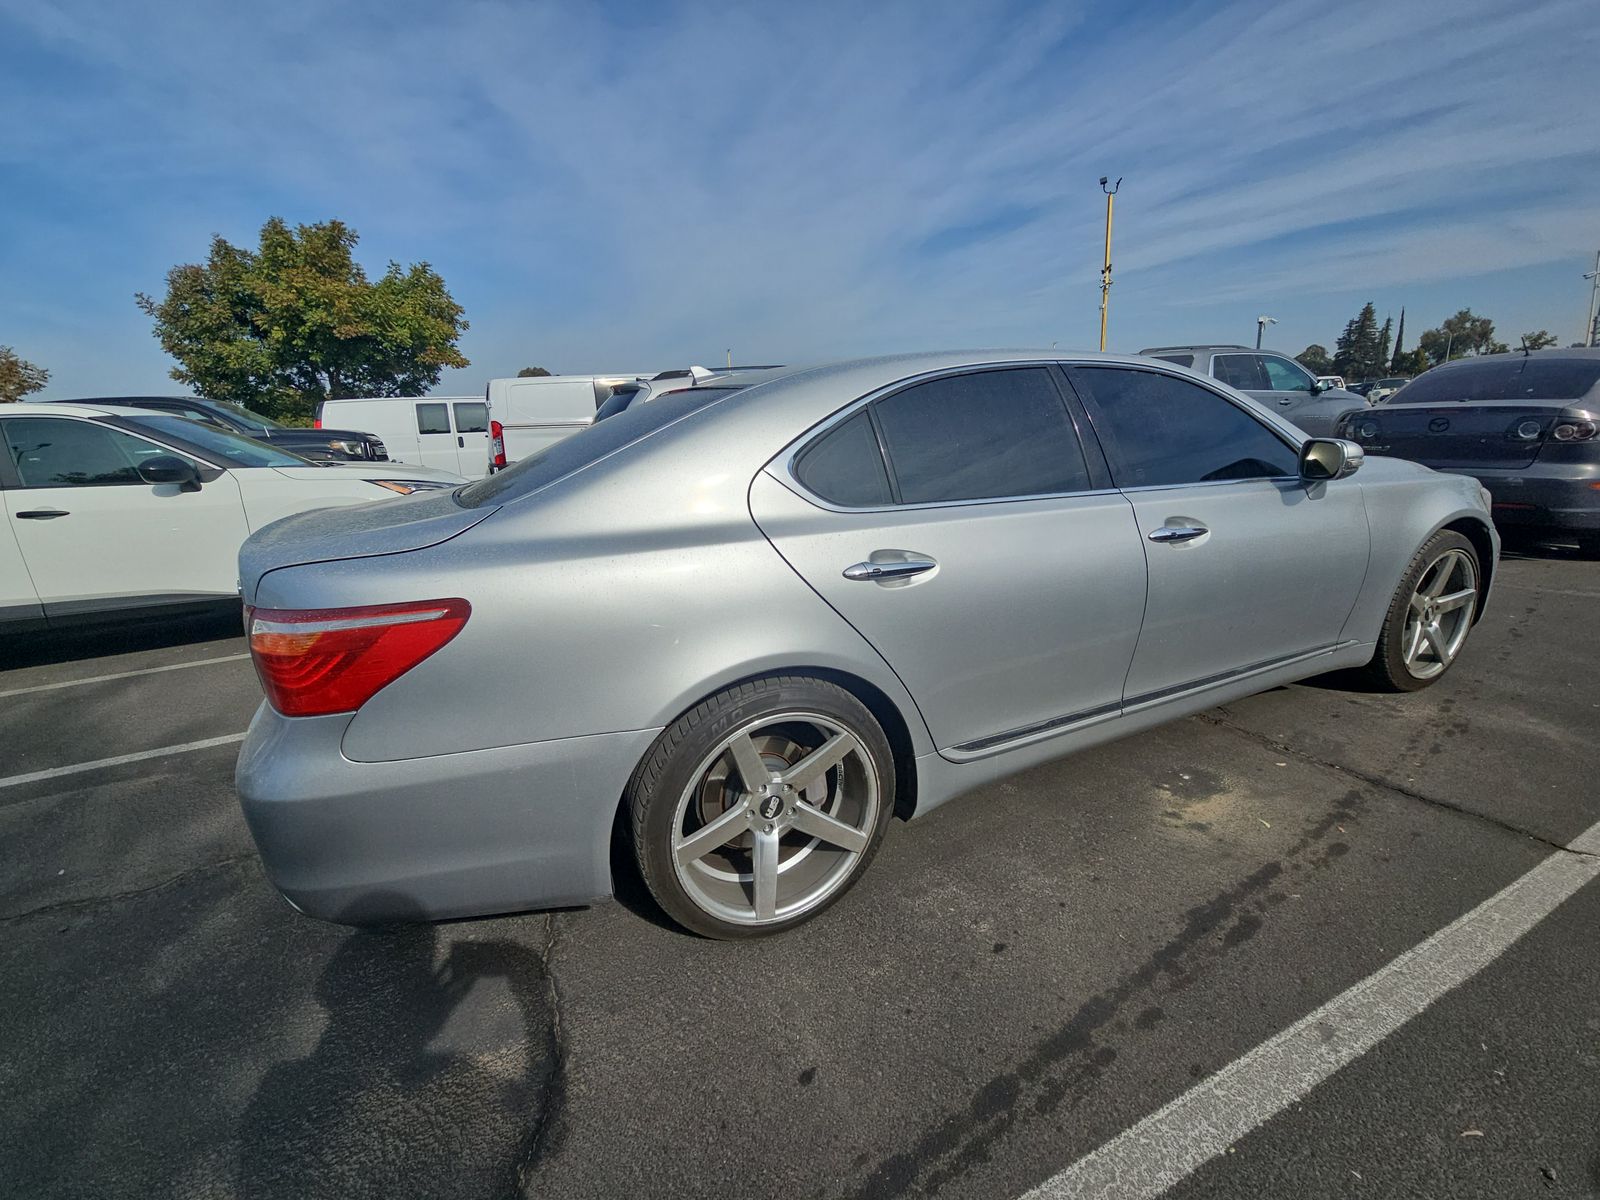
(472, 436)
(540, 412)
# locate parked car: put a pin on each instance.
(111, 509)
(1330, 381)
(767, 618)
(527, 415)
(1382, 389)
(1523, 425)
(319, 444)
(448, 433)
(1362, 388)
(1274, 379)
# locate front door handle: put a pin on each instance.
(878, 572)
(1177, 533)
(461, 443)
(43, 514)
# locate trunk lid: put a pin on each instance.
(1461, 436)
(393, 526)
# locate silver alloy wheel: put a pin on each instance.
(1440, 614)
(775, 818)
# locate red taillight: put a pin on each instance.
(317, 424)
(497, 445)
(315, 661)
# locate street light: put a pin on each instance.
(1261, 324)
(1105, 273)
(1594, 290)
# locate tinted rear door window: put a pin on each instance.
(1160, 430)
(1243, 371)
(845, 467)
(981, 436)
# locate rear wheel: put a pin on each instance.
(761, 806)
(1430, 616)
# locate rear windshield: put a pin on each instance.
(1506, 379)
(588, 446)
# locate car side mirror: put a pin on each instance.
(1322, 459)
(169, 468)
(1316, 388)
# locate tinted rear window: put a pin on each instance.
(587, 446)
(1513, 378)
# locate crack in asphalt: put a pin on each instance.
(545, 1137)
(1386, 784)
(1062, 1067)
(86, 902)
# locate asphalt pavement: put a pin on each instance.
(1024, 976)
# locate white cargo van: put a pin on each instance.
(448, 432)
(526, 415)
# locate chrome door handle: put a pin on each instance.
(43, 514)
(1177, 533)
(1287, 402)
(877, 572)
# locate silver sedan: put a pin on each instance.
(743, 627)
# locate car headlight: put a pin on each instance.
(406, 486)
(344, 447)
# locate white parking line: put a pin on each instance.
(1173, 1142)
(66, 683)
(161, 752)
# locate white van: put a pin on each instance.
(526, 415)
(448, 432)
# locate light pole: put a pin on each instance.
(1594, 290)
(1105, 272)
(1261, 325)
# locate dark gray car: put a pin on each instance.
(1523, 425)
(1276, 380)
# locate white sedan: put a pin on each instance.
(111, 509)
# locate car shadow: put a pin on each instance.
(127, 636)
(421, 1082)
(1513, 546)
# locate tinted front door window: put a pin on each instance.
(1160, 430)
(62, 453)
(979, 436)
(1285, 376)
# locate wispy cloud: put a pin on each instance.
(610, 187)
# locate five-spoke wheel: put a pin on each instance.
(1430, 616)
(762, 805)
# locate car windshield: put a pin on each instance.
(1512, 378)
(228, 449)
(250, 418)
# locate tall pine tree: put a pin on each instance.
(1355, 354)
(1383, 345)
(1399, 342)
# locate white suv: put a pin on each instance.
(110, 509)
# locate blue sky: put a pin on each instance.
(628, 187)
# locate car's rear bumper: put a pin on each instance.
(487, 831)
(1564, 496)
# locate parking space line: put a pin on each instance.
(66, 683)
(1173, 1142)
(160, 752)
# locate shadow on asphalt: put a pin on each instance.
(125, 637)
(1522, 547)
(396, 1100)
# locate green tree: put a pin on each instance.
(1463, 334)
(297, 321)
(1538, 341)
(18, 376)
(1314, 358)
(1356, 353)
(532, 373)
(1399, 340)
(1410, 362)
(1383, 344)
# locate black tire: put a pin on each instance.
(662, 779)
(1387, 670)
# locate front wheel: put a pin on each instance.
(761, 806)
(1430, 616)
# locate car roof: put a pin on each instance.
(1203, 346)
(136, 400)
(73, 408)
(1569, 353)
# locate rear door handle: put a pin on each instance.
(461, 443)
(43, 514)
(1177, 533)
(877, 572)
